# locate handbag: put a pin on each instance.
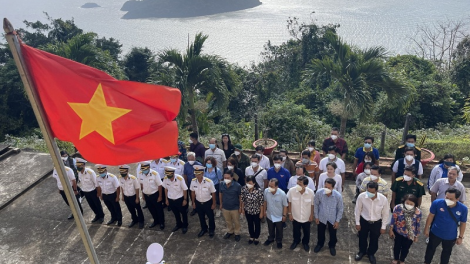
(453, 216)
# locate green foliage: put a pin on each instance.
(138, 64)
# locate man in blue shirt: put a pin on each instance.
(279, 173)
(188, 173)
(275, 206)
(442, 224)
(360, 152)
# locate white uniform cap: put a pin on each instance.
(125, 166)
(199, 167)
(80, 160)
(169, 168)
(100, 166)
(145, 163)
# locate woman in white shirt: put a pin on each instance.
(330, 173)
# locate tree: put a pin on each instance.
(138, 64)
(200, 75)
(356, 76)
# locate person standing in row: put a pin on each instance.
(332, 157)
(227, 146)
(203, 197)
(238, 174)
(314, 154)
(399, 166)
(367, 148)
(440, 187)
(407, 184)
(217, 154)
(376, 176)
(335, 140)
(280, 173)
(441, 170)
(371, 213)
(242, 159)
(287, 163)
(176, 197)
(252, 201)
(275, 206)
(188, 173)
(109, 192)
(213, 173)
(410, 142)
(360, 178)
(264, 161)
(197, 147)
(301, 211)
(130, 189)
(71, 177)
(311, 167)
(328, 207)
(230, 196)
(331, 173)
(299, 172)
(89, 185)
(176, 163)
(259, 172)
(151, 185)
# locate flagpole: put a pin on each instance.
(14, 43)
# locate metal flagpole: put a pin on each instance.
(14, 43)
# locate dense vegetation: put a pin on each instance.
(299, 90)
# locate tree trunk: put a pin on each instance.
(192, 111)
(342, 129)
(256, 127)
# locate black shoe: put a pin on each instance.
(332, 251)
(284, 225)
(306, 247)
(185, 229)
(372, 259)
(110, 222)
(95, 219)
(211, 234)
(250, 242)
(176, 228)
(154, 224)
(237, 238)
(201, 233)
(162, 226)
(70, 216)
(279, 245)
(317, 249)
(141, 225)
(193, 212)
(101, 220)
(268, 242)
(294, 245)
(359, 256)
(132, 224)
(227, 235)
(256, 242)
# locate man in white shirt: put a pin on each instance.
(109, 192)
(259, 172)
(264, 161)
(217, 153)
(301, 211)
(71, 177)
(332, 156)
(203, 197)
(439, 188)
(89, 184)
(151, 185)
(176, 197)
(130, 188)
(371, 215)
(300, 171)
(176, 163)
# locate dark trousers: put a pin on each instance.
(254, 225)
(155, 208)
(275, 230)
(434, 241)
(179, 211)
(217, 187)
(134, 208)
(113, 206)
(67, 202)
(94, 203)
(305, 229)
(371, 231)
(204, 209)
(321, 234)
(401, 247)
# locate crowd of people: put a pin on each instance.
(224, 181)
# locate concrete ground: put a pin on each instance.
(34, 229)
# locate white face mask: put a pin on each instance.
(191, 162)
(64, 158)
(407, 178)
(409, 206)
(367, 171)
(227, 181)
(327, 191)
(283, 158)
(237, 152)
(250, 186)
(230, 167)
(449, 202)
(334, 137)
(367, 160)
(254, 164)
(331, 156)
(271, 189)
(298, 188)
(277, 165)
(373, 177)
(190, 141)
(310, 149)
(409, 157)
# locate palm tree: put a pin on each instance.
(202, 75)
(355, 76)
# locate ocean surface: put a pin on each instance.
(239, 36)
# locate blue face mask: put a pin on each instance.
(367, 145)
(410, 145)
(449, 163)
(173, 160)
(212, 146)
(102, 175)
(209, 166)
(370, 195)
(146, 171)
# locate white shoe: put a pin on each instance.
(217, 213)
(80, 199)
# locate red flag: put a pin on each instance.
(109, 121)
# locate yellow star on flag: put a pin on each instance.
(97, 116)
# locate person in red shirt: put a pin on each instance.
(335, 140)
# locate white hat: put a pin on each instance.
(198, 167)
(169, 168)
(145, 163)
(125, 166)
(100, 166)
(80, 160)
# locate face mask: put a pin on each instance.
(367, 145)
(407, 178)
(370, 195)
(191, 162)
(146, 171)
(310, 149)
(373, 177)
(331, 156)
(237, 153)
(277, 165)
(79, 168)
(334, 137)
(271, 189)
(123, 174)
(227, 181)
(449, 163)
(327, 191)
(409, 157)
(305, 161)
(64, 158)
(173, 160)
(283, 158)
(208, 165)
(170, 175)
(230, 167)
(410, 145)
(250, 186)
(409, 206)
(367, 160)
(298, 188)
(367, 171)
(212, 146)
(254, 164)
(190, 141)
(102, 175)
(449, 202)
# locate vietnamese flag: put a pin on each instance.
(109, 121)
